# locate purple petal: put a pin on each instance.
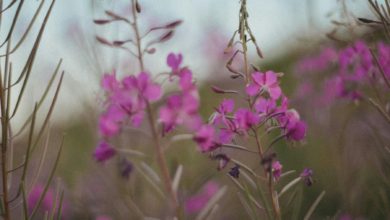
(174, 61)
(275, 92)
(103, 152)
(270, 78)
(258, 78)
(252, 89)
(153, 92)
(227, 105)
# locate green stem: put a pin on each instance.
(243, 28)
(161, 160)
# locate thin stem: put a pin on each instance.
(275, 205)
(4, 142)
(137, 36)
(161, 158)
(243, 29)
(160, 155)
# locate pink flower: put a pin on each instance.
(294, 128)
(109, 82)
(126, 98)
(267, 82)
(355, 61)
(174, 61)
(276, 170)
(109, 121)
(197, 202)
(384, 57)
(226, 106)
(245, 119)
(143, 86)
(204, 137)
(318, 63)
(185, 81)
(265, 106)
(103, 152)
(181, 109)
(47, 202)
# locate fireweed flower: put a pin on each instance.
(384, 57)
(265, 106)
(204, 137)
(109, 121)
(306, 175)
(318, 63)
(174, 61)
(294, 128)
(103, 152)
(180, 109)
(196, 203)
(245, 119)
(109, 82)
(355, 61)
(267, 82)
(220, 116)
(47, 202)
(144, 86)
(276, 170)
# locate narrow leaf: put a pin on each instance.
(314, 206)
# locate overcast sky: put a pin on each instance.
(278, 26)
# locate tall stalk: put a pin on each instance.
(156, 138)
(245, 34)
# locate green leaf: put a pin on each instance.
(289, 186)
(314, 206)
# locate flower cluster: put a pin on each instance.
(226, 123)
(127, 100)
(182, 107)
(267, 106)
(352, 68)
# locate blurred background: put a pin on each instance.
(340, 147)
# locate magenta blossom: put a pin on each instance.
(355, 61)
(265, 106)
(109, 82)
(103, 151)
(245, 119)
(204, 137)
(180, 109)
(174, 61)
(144, 86)
(109, 122)
(47, 202)
(294, 128)
(267, 82)
(196, 203)
(226, 106)
(276, 170)
(318, 63)
(126, 98)
(384, 57)
(185, 81)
